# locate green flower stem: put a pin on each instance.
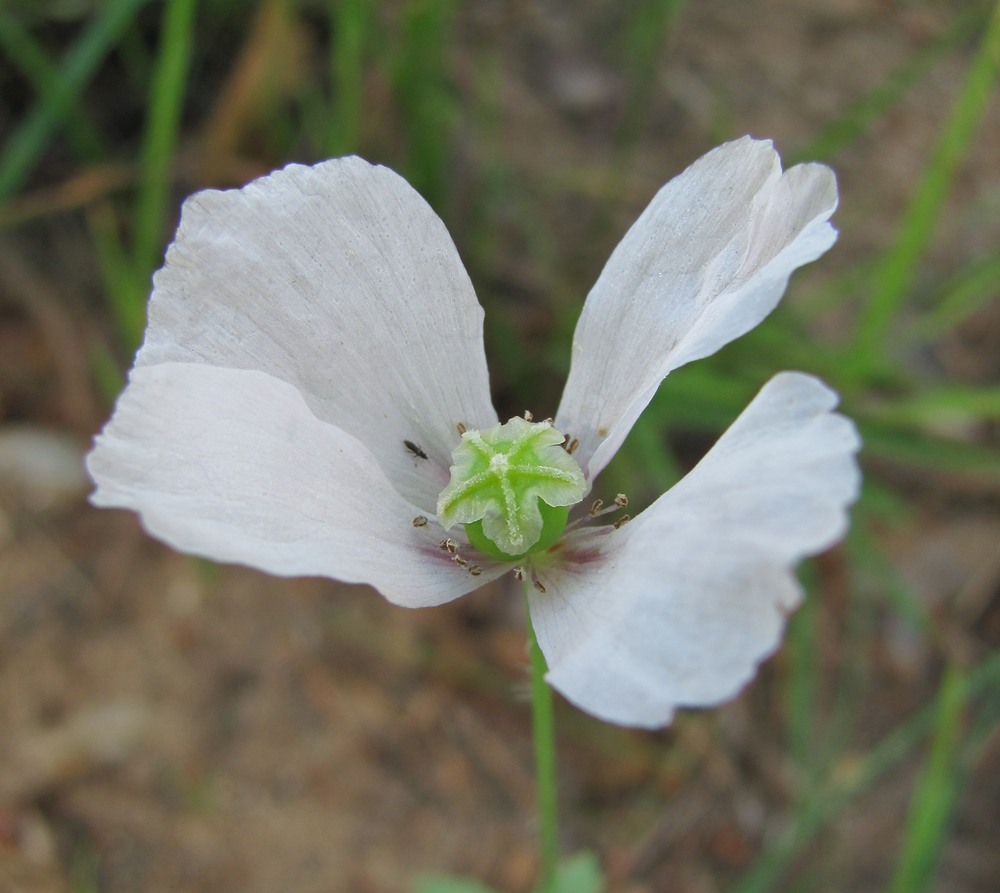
(545, 757)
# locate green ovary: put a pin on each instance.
(554, 519)
(511, 486)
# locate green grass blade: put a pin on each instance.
(830, 800)
(349, 26)
(912, 448)
(932, 804)
(650, 452)
(982, 732)
(897, 592)
(647, 32)
(871, 108)
(421, 81)
(107, 374)
(27, 54)
(953, 405)
(701, 398)
(971, 289)
(893, 276)
(861, 618)
(166, 102)
(28, 142)
(118, 273)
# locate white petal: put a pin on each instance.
(682, 603)
(340, 280)
(705, 263)
(234, 466)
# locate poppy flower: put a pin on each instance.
(312, 398)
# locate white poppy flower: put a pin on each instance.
(314, 353)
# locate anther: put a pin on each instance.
(573, 444)
(528, 417)
(460, 428)
(448, 545)
(519, 574)
(459, 560)
(475, 570)
(420, 521)
(538, 585)
(624, 519)
(598, 508)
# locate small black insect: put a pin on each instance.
(413, 448)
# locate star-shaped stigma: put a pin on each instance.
(511, 485)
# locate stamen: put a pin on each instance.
(460, 428)
(459, 560)
(624, 519)
(538, 584)
(420, 521)
(573, 444)
(448, 545)
(519, 574)
(528, 417)
(597, 509)
(475, 570)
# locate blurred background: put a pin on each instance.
(170, 725)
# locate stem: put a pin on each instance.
(545, 756)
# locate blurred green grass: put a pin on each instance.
(405, 61)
